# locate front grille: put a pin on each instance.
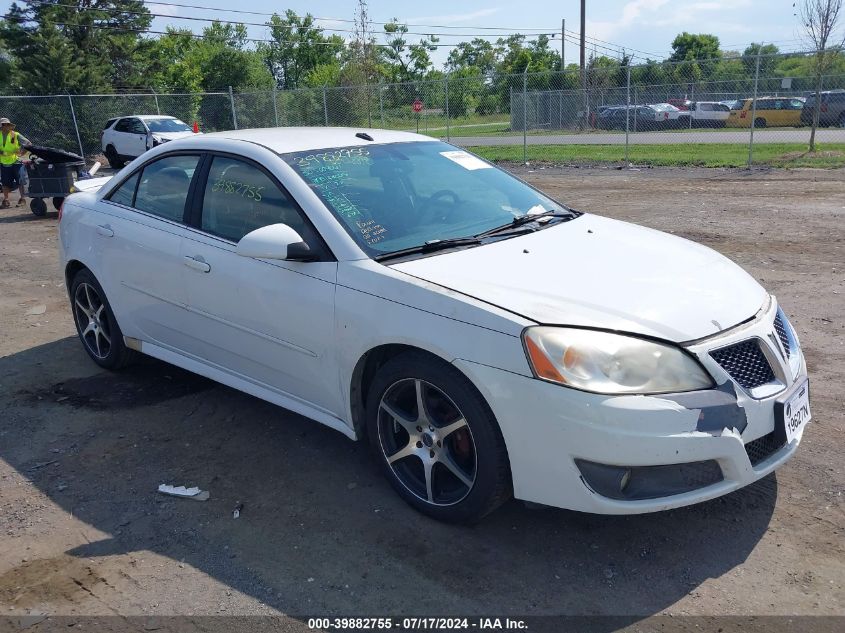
(780, 328)
(764, 447)
(746, 363)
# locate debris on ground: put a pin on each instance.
(237, 511)
(187, 493)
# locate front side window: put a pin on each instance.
(402, 195)
(125, 194)
(136, 127)
(163, 188)
(240, 197)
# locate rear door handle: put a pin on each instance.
(197, 264)
(105, 230)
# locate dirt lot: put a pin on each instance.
(82, 530)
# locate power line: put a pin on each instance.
(183, 33)
(504, 30)
(262, 24)
(590, 39)
(345, 20)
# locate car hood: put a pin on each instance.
(598, 272)
(172, 136)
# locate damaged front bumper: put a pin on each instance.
(635, 454)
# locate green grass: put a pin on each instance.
(827, 156)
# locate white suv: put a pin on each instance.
(126, 138)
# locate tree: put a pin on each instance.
(690, 47)
(820, 20)
(88, 31)
(478, 54)
(768, 61)
(297, 48)
(406, 62)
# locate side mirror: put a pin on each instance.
(274, 241)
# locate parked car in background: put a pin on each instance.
(681, 104)
(403, 291)
(706, 114)
(770, 112)
(733, 104)
(831, 112)
(672, 116)
(642, 118)
(126, 138)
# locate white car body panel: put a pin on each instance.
(583, 272)
(294, 333)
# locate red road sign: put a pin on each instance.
(418, 105)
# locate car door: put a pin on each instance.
(139, 234)
(269, 322)
(136, 138)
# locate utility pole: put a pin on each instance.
(562, 44)
(583, 44)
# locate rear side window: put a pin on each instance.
(163, 187)
(240, 197)
(125, 194)
(122, 125)
(109, 124)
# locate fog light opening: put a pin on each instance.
(623, 482)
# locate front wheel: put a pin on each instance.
(436, 439)
(95, 323)
(115, 162)
(38, 207)
(759, 122)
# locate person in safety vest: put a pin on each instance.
(11, 147)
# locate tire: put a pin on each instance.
(38, 207)
(95, 323)
(468, 473)
(759, 122)
(57, 202)
(115, 162)
(842, 120)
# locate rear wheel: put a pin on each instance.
(436, 439)
(115, 162)
(842, 120)
(57, 202)
(95, 323)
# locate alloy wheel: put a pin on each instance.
(426, 441)
(89, 310)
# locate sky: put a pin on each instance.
(644, 28)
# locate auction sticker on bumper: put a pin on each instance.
(796, 411)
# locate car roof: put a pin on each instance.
(299, 139)
(149, 117)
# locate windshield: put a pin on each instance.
(402, 195)
(167, 125)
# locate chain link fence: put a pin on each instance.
(737, 102)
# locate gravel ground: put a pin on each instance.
(83, 532)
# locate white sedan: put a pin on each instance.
(486, 340)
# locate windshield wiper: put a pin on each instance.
(526, 219)
(430, 247)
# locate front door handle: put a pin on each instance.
(197, 264)
(105, 230)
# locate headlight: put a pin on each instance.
(608, 363)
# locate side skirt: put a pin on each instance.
(259, 390)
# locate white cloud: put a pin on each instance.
(639, 14)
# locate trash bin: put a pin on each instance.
(52, 173)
